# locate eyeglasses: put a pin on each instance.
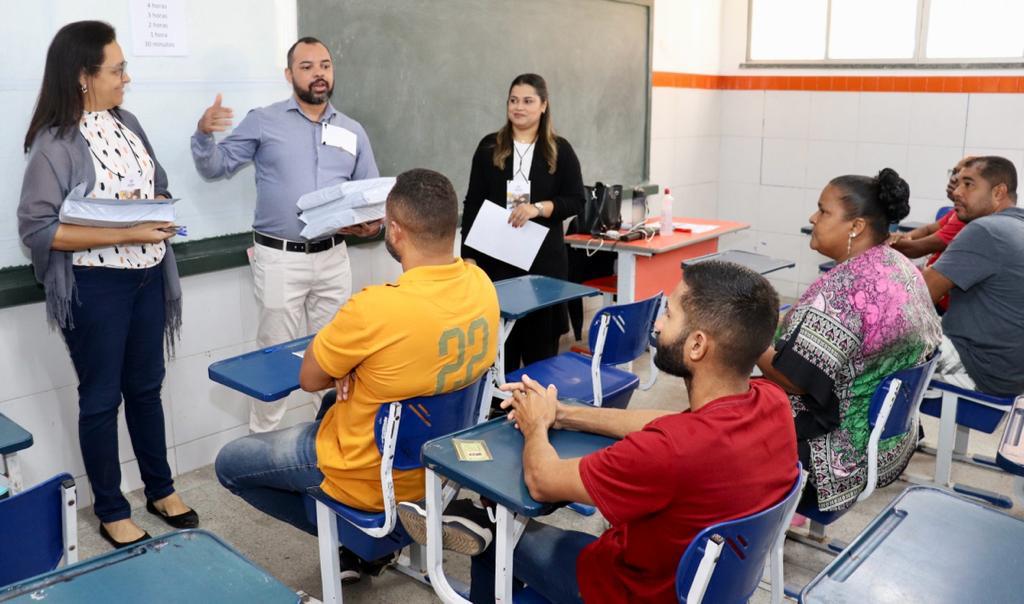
(117, 70)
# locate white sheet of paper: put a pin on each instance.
(336, 136)
(696, 229)
(159, 28)
(301, 354)
(493, 235)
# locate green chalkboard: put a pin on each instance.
(429, 78)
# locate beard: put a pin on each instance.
(669, 358)
(313, 98)
(391, 249)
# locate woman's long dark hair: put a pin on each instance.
(545, 132)
(77, 48)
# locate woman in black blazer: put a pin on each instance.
(526, 155)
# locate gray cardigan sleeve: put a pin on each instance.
(48, 179)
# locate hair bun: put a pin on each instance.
(894, 193)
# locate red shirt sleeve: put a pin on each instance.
(950, 226)
(634, 477)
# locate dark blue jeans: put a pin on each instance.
(117, 349)
(544, 559)
(271, 471)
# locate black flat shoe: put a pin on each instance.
(119, 544)
(187, 520)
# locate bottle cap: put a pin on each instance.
(667, 192)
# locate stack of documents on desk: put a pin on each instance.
(85, 211)
(354, 202)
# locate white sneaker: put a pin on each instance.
(461, 527)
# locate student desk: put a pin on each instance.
(759, 263)
(1010, 456)
(184, 566)
(928, 546)
(501, 481)
(520, 296)
(268, 374)
(272, 373)
(13, 438)
(646, 267)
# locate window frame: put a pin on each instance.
(918, 60)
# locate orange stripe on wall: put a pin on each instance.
(1004, 84)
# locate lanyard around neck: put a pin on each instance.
(131, 147)
(521, 157)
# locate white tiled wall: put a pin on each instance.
(685, 139)
(778, 149)
(38, 387)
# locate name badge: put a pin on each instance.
(131, 186)
(517, 191)
(336, 136)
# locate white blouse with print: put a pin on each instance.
(123, 170)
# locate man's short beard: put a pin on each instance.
(671, 358)
(308, 96)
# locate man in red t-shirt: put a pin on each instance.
(935, 237)
(733, 453)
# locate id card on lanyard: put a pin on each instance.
(517, 191)
(131, 186)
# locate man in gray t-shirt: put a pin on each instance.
(983, 271)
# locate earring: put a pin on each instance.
(85, 89)
(849, 244)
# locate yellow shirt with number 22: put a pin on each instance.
(435, 330)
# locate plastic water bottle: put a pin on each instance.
(666, 213)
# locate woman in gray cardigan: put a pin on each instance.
(113, 292)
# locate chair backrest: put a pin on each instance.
(913, 382)
(745, 546)
(942, 212)
(32, 530)
(627, 330)
(429, 417)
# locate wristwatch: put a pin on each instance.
(540, 208)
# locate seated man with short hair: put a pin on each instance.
(982, 270)
(732, 454)
(387, 343)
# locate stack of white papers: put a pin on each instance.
(338, 206)
(85, 211)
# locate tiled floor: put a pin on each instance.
(291, 555)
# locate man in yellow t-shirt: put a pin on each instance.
(434, 330)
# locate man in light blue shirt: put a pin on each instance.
(298, 145)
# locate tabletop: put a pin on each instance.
(660, 244)
(184, 566)
(13, 437)
(519, 296)
(757, 262)
(928, 545)
(267, 374)
(501, 479)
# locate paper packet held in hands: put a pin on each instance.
(100, 212)
(326, 210)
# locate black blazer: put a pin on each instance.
(564, 188)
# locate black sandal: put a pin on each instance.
(186, 520)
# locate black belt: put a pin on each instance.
(308, 247)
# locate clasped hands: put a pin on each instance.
(532, 407)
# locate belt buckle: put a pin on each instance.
(307, 247)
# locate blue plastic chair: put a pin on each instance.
(400, 430)
(1010, 456)
(942, 212)
(725, 562)
(618, 334)
(974, 411)
(39, 528)
(892, 412)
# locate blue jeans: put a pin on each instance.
(544, 559)
(117, 349)
(271, 471)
